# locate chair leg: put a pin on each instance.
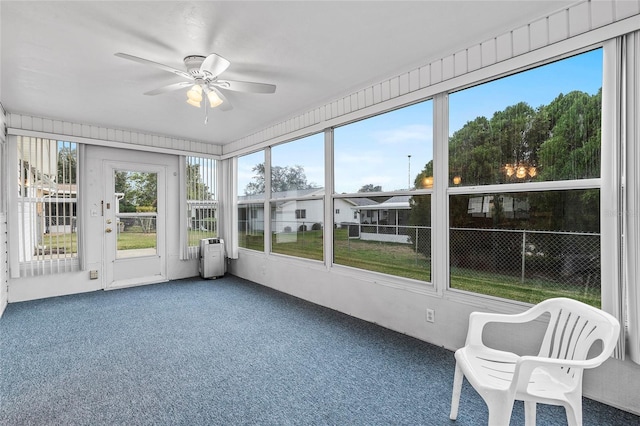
(574, 411)
(529, 413)
(457, 390)
(499, 411)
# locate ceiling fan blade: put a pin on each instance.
(245, 86)
(169, 88)
(214, 64)
(155, 64)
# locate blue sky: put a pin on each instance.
(375, 151)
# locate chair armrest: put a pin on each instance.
(477, 321)
(525, 366)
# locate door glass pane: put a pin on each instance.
(136, 199)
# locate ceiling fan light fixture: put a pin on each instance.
(195, 96)
(214, 99)
(194, 103)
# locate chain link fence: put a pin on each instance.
(403, 251)
(523, 265)
(541, 264)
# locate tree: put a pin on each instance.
(196, 188)
(67, 165)
(370, 188)
(139, 189)
(283, 179)
(561, 140)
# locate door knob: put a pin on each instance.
(108, 230)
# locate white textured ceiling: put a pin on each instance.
(57, 58)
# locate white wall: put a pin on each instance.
(3, 263)
(92, 183)
(3, 219)
(396, 303)
(393, 304)
(346, 212)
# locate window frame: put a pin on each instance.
(515, 187)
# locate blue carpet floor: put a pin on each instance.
(226, 352)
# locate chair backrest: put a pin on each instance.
(573, 328)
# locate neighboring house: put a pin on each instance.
(251, 214)
(386, 221)
(44, 205)
(347, 210)
(202, 215)
(298, 215)
(366, 218)
(511, 207)
(60, 209)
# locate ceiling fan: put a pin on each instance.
(202, 74)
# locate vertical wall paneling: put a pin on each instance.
(64, 128)
(579, 19)
(460, 61)
(47, 126)
(27, 122)
(539, 34)
(37, 124)
(404, 84)
(474, 58)
(488, 52)
(504, 47)
(626, 8)
(447, 68)
(602, 13)
(521, 41)
(425, 76)
(414, 80)
(377, 94)
(436, 72)
(558, 26)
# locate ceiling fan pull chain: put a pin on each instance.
(206, 113)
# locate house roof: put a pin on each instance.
(398, 202)
(284, 194)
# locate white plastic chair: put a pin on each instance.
(553, 377)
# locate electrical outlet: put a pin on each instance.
(431, 315)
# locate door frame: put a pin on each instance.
(134, 270)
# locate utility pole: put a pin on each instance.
(409, 175)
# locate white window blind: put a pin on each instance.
(47, 205)
(202, 204)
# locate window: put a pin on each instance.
(251, 196)
(382, 198)
(201, 201)
(47, 205)
(515, 240)
(297, 197)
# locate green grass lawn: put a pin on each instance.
(136, 240)
(67, 242)
(401, 260)
(387, 258)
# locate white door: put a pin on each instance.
(134, 213)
